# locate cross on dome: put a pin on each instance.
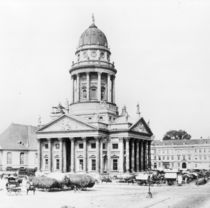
(93, 19)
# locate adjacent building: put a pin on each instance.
(90, 135)
(181, 154)
(18, 147)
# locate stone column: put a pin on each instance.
(137, 156)
(88, 85)
(109, 87)
(109, 155)
(121, 158)
(61, 154)
(113, 90)
(149, 154)
(64, 156)
(132, 156)
(39, 159)
(72, 155)
(142, 156)
(99, 86)
(127, 154)
(50, 155)
(73, 98)
(101, 156)
(78, 89)
(85, 154)
(97, 154)
(146, 155)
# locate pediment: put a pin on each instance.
(141, 127)
(66, 123)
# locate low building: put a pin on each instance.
(181, 154)
(18, 147)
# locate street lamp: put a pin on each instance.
(149, 194)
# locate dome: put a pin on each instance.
(93, 36)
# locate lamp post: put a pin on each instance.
(149, 194)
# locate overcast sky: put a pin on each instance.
(161, 51)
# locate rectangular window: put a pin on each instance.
(93, 162)
(57, 164)
(46, 145)
(93, 145)
(104, 145)
(80, 145)
(172, 157)
(57, 146)
(115, 146)
(36, 158)
(9, 158)
(46, 164)
(21, 158)
(115, 164)
(81, 164)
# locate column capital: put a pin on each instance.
(71, 138)
(127, 138)
(84, 138)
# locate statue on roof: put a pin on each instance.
(58, 109)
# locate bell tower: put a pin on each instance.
(93, 75)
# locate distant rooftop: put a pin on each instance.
(19, 137)
(181, 142)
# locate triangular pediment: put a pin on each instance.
(141, 127)
(66, 123)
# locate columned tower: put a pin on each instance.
(93, 76)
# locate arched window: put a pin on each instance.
(103, 93)
(93, 93)
(21, 158)
(9, 158)
(184, 165)
(83, 93)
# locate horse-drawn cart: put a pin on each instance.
(13, 185)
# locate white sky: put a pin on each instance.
(161, 50)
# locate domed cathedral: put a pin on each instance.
(89, 134)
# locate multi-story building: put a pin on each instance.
(181, 154)
(90, 134)
(18, 147)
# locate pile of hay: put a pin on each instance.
(61, 180)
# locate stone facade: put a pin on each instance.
(181, 154)
(90, 135)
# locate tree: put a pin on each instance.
(176, 135)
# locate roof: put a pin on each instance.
(180, 142)
(93, 36)
(19, 137)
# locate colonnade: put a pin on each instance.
(110, 88)
(133, 155)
